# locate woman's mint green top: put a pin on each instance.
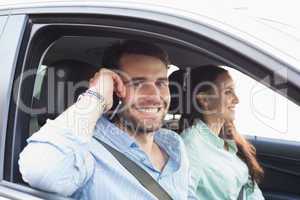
(217, 174)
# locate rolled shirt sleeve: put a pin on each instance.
(56, 160)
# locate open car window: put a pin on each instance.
(264, 112)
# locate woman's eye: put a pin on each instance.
(228, 92)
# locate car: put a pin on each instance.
(61, 42)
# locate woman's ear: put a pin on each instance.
(202, 100)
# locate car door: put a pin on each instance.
(12, 35)
(33, 34)
(280, 159)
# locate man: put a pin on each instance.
(64, 157)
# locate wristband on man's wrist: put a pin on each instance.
(95, 95)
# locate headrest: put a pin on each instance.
(63, 82)
(184, 83)
(177, 90)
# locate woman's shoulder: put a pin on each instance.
(191, 136)
(188, 133)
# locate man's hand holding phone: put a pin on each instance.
(105, 82)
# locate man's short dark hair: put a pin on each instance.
(112, 54)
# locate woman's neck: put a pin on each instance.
(214, 124)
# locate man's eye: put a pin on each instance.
(162, 83)
(135, 83)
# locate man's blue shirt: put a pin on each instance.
(71, 166)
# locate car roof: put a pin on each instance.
(281, 41)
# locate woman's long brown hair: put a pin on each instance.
(246, 152)
(210, 73)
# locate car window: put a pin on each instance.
(264, 112)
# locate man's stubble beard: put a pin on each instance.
(135, 126)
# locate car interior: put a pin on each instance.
(80, 62)
(71, 64)
(73, 58)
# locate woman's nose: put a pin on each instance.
(236, 99)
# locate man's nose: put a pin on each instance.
(149, 90)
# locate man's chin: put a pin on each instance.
(148, 126)
(140, 126)
(141, 122)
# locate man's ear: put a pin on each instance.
(202, 99)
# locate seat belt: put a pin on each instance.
(140, 174)
(241, 194)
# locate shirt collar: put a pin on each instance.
(109, 131)
(170, 143)
(232, 146)
(213, 138)
(166, 139)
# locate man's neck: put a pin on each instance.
(145, 140)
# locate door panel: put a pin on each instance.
(21, 192)
(9, 193)
(281, 162)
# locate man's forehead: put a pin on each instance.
(146, 67)
(144, 77)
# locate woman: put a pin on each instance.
(223, 163)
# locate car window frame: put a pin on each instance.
(13, 52)
(12, 43)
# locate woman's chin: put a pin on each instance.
(230, 117)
